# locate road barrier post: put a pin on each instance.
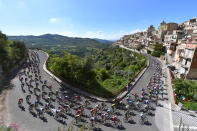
(180, 124)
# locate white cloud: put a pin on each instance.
(135, 31)
(52, 20)
(70, 34)
(110, 36)
(100, 34)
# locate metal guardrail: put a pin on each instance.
(183, 126)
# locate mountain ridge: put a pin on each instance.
(58, 43)
(107, 42)
(50, 39)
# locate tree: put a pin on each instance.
(3, 36)
(103, 74)
(158, 50)
(3, 53)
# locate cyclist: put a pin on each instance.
(162, 94)
(93, 112)
(92, 120)
(38, 98)
(78, 112)
(50, 87)
(31, 108)
(142, 98)
(57, 93)
(109, 112)
(50, 94)
(142, 117)
(115, 120)
(131, 102)
(127, 98)
(156, 100)
(103, 115)
(43, 87)
(20, 101)
(127, 115)
(113, 107)
(36, 104)
(77, 118)
(28, 97)
(43, 95)
(136, 96)
(76, 98)
(87, 102)
(146, 102)
(45, 82)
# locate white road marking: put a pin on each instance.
(170, 113)
(190, 127)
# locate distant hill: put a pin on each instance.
(106, 42)
(48, 40)
(57, 43)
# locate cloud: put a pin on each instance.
(109, 36)
(52, 20)
(70, 34)
(135, 31)
(100, 34)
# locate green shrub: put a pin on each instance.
(187, 89)
(107, 72)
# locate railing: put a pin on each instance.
(183, 126)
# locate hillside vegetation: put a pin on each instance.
(57, 44)
(106, 73)
(11, 52)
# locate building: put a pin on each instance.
(171, 40)
(164, 28)
(191, 24)
(186, 59)
(150, 30)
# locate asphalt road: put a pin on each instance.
(27, 122)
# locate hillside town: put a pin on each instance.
(179, 42)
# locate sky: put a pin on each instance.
(105, 19)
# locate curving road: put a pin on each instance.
(27, 122)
